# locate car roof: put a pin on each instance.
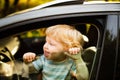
(60, 9)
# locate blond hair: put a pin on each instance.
(65, 34)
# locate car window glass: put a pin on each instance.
(117, 74)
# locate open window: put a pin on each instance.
(32, 39)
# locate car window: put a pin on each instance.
(34, 40)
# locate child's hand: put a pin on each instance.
(74, 50)
(29, 57)
(74, 53)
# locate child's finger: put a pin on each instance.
(74, 50)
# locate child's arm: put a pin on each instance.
(28, 58)
(81, 68)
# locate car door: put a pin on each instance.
(108, 64)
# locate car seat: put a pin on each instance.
(88, 56)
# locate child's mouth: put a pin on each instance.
(46, 54)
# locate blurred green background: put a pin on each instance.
(11, 6)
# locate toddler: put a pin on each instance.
(62, 55)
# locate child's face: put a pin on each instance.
(53, 50)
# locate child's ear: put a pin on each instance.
(66, 49)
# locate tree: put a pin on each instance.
(11, 6)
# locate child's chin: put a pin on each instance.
(47, 58)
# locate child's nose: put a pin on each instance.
(45, 46)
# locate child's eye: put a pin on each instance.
(51, 44)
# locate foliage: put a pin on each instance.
(11, 6)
